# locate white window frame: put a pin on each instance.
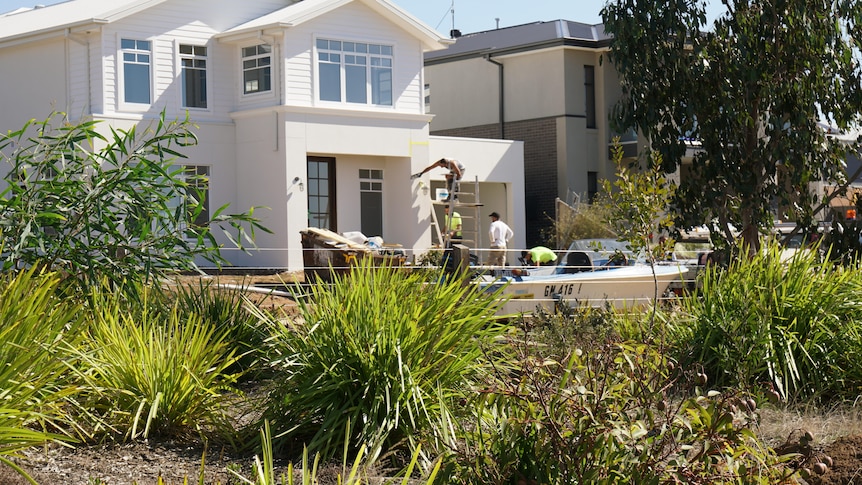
(271, 67)
(122, 104)
(181, 72)
(373, 51)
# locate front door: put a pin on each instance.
(321, 193)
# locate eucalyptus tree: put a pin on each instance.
(108, 204)
(751, 91)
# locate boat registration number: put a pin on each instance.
(564, 289)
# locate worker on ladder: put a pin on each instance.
(453, 178)
(454, 232)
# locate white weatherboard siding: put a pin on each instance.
(168, 25)
(358, 23)
(32, 79)
(256, 145)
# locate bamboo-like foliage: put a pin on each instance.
(33, 321)
(791, 323)
(155, 372)
(108, 203)
(384, 350)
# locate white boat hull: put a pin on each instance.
(620, 287)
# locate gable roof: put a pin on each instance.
(306, 10)
(25, 25)
(521, 38)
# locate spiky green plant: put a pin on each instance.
(155, 372)
(789, 323)
(383, 349)
(34, 320)
(229, 312)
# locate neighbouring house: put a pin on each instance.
(314, 108)
(544, 83)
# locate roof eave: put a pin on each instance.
(599, 46)
(275, 28)
(51, 33)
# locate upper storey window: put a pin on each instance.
(354, 72)
(137, 55)
(256, 69)
(193, 59)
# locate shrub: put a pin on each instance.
(227, 311)
(384, 350)
(605, 417)
(151, 372)
(121, 212)
(792, 323)
(34, 321)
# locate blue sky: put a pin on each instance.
(472, 15)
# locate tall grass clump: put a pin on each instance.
(226, 309)
(151, 372)
(790, 324)
(34, 320)
(384, 351)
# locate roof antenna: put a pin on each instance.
(454, 33)
(498, 22)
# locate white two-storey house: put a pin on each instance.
(314, 109)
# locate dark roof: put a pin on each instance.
(537, 35)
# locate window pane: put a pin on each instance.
(386, 50)
(249, 51)
(136, 79)
(355, 84)
(334, 45)
(322, 44)
(362, 48)
(127, 44)
(349, 47)
(381, 86)
(194, 88)
(330, 82)
(364, 173)
(256, 80)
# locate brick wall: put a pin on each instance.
(540, 169)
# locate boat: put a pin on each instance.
(595, 273)
(326, 253)
(623, 287)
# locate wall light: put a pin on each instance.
(297, 180)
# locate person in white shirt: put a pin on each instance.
(499, 234)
